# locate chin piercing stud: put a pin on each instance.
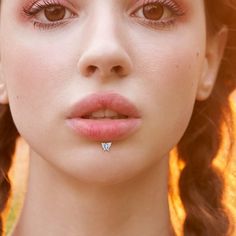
(106, 146)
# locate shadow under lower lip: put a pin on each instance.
(104, 129)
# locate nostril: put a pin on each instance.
(115, 69)
(118, 69)
(91, 69)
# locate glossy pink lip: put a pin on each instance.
(104, 129)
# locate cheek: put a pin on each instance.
(172, 75)
(171, 79)
(177, 89)
(34, 75)
(37, 84)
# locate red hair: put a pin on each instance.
(201, 184)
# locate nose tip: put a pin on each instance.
(104, 63)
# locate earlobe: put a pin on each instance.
(3, 89)
(214, 53)
(3, 94)
(205, 84)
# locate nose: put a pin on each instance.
(105, 61)
(104, 54)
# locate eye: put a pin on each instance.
(154, 11)
(49, 13)
(158, 13)
(53, 13)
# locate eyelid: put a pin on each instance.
(65, 3)
(174, 13)
(139, 3)
(166, 11)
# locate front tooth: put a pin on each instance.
(98, 114)
(110, 113)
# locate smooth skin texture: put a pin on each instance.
(74, 187)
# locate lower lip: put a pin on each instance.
(104, 129)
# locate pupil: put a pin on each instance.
(153, 11)
(55, 13)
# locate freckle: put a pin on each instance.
(197, 54)
(177, 66)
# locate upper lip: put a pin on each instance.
(112, 101)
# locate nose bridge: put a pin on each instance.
(104, 26)
(105, 51)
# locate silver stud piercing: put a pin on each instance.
(106, 146)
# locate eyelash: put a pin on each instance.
(170, 5)
(37, 7)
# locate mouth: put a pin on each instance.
(104, 117)
(104, 114)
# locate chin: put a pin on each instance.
(95, 167)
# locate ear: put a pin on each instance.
(214, 53)
(3, 89)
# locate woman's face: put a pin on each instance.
(54, 53)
